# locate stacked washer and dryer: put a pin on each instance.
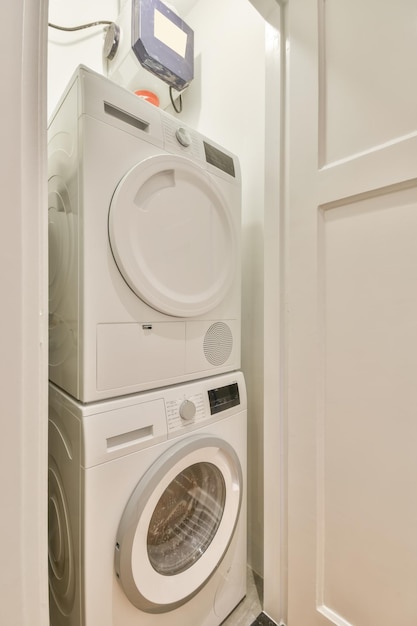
(147, 412)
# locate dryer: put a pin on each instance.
(144, 254)
(147, 506)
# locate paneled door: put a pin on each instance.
(352, 312)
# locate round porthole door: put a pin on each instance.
(178, 523)
(172, 236)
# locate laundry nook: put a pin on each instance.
(208, 337)
(147, 400)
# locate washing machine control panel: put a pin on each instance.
(190, 410)
(223, 398)
(185, 411)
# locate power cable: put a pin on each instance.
(71, 28)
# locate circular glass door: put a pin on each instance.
(172, 236)
(178, 523)
(186, 518)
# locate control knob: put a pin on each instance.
(183, 137)
(187, 410)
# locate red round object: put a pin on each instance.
(149, 96)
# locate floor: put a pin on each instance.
(263, 620)
(247, 612)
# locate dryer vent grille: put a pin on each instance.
(218, 343)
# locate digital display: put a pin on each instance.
(219, 159)
(170, 34)
(223, 398)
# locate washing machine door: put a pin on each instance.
(178, 523)
(172, 236)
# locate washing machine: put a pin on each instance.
(147, 506)
(144, 246)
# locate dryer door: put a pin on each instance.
(172, 236)
(178, 523)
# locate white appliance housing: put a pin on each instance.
(144, 231)
(147, 509)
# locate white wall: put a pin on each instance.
(23, 329)
(275, 568)
(66, 50)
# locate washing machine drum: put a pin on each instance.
(178, 524)
(172, 236)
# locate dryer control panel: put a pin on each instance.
(185, 140)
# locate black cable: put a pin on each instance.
(71, 28)
(173, 102)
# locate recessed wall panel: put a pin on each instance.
(368, 66)
(367, 479)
